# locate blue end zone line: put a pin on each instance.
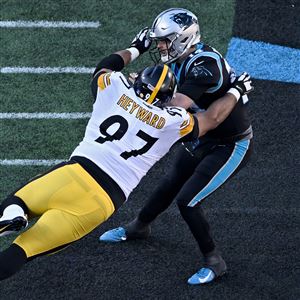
(264, 61)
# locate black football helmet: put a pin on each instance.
(156, 85)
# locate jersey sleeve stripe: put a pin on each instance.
(187, 126)
(158, 85)
(107, 79)
(101, 83)
(104, 81)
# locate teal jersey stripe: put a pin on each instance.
(224, 173)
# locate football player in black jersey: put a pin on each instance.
(200, 168)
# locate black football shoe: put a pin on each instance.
(16, 224)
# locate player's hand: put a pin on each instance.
(141, 41)
(132, 77)
(243, 84)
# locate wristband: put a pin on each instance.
(235, 93)
(134, 53)
(112, 62)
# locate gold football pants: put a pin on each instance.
(69, 204)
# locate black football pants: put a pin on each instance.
(194, 176)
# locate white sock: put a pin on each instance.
(12, 211)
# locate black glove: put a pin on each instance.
(141, 41)
(243, 84)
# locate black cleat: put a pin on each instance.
(12, 225)
(137, 230)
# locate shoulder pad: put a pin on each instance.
(104, 80)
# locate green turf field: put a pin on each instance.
(63, 47)
(48, 93)
(254, 217)
(36, 47)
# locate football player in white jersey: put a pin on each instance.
(130, 129)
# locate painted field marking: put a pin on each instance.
(30, 162)
(78, 115)
(264, 60)
(47, 70)
(48, 24)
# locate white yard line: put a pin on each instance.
(81, 115)
(48, 24)
(46, 70)
(30, 162)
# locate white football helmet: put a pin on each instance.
(177, 26)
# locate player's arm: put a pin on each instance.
(182, 100)
(113, 62)
(204, 73)
(219, 110)
(118, 60)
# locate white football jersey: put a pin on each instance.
(126, 136)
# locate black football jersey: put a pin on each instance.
(204, 76)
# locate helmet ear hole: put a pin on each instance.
(184, 40)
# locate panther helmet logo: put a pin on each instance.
(182, 19)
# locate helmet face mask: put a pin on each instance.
(179, 29)
(167, 53)
(155, 85)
